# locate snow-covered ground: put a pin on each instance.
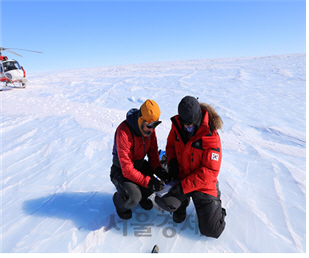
(56, 144)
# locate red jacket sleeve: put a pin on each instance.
(124, 143)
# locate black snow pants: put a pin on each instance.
(208, 208)
(129, 194)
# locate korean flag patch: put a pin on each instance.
(215, 156)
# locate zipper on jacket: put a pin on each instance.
(144, 146)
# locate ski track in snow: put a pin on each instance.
(57, 138)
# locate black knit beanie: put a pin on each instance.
(189, 111)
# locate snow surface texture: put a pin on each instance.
(57, 137)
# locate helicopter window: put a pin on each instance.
(17, 65)
(10, 65)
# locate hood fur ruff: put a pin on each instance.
(215, 121)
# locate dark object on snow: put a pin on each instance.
(155, 249)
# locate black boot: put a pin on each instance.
(123, 214)
(181, 213)
(146, 204)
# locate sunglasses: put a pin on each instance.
(153, 124)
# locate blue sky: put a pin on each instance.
(81, 34)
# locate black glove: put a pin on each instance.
(162, 174)
(173, 168)
(156, 185)
(176, 190)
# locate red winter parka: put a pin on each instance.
(199, 160)
(130, 146)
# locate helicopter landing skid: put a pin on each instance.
(12, 85)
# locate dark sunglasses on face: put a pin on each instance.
(153, 124)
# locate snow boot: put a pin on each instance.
(123, 214)
(181, 213)
(146, 204)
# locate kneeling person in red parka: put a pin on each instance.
(194, 156)
(132, 175)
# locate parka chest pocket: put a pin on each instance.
(197, 153)
(197, 144)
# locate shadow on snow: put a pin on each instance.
(90, 210)
(94, 210)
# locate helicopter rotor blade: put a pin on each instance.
(12, 52)
(26, 50)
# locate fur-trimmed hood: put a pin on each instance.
(215, 121)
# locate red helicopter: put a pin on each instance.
(11, 73)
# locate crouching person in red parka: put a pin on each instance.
(194, 156)
(132, 175)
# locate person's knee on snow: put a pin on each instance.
(212, 230)
(211, 220)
